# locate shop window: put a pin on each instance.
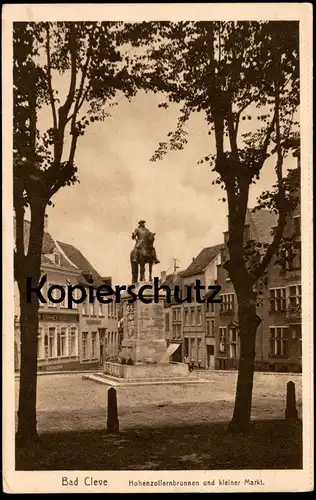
(73, 341)
(94, 345)
(85, 353)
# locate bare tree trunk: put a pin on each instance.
(31, 267)
(27, 424)
(248, 324)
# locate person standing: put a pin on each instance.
(191, 365)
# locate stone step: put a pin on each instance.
(151, 379)
(121, 382)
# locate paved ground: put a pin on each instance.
(68, 403)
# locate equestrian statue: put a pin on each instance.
(143, 252)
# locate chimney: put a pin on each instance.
(107, 280)
(163, 276)
(193, 259)
(45, 223)
(88, 276)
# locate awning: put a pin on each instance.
(172, 348)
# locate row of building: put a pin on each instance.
(88, 334)
(70, 339)
(208, 333)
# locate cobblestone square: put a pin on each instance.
(67, 402)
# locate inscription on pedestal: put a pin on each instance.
(143, 331)
(130, 319)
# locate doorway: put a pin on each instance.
(186, 347)
(176, 356)
(211, 357)
(101, 345)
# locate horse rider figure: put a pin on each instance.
(140, 234)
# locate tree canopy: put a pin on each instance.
(90, 57)
(244, 77)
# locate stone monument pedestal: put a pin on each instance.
(143, 338)
(144, 358)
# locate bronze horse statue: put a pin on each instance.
(145, 255)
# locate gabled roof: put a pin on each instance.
(172, 279)
(48, 247)
(82, 263)
(204, 258)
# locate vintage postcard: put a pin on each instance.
(157, 257)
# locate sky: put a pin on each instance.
(119, 186)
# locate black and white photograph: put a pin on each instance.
(157, 269)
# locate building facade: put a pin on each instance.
(189, 324)
(282, 349)
(68, 338)
(208, 333)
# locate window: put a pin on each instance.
(54, 296)
(52, 346)
(278, 340)
(228, 303)
(277, 299)
(291, 258)
(85, 308)
(94, 345)
(233, 334)
(41, 343)
(176, 315)
(46, 343)
(76, 296)
(198, 316)
(167, 319)
(212, 328)
(233, 343)
(111, 310)
(295, 298)
(297, 335)
(57, 259)
(62, 345)
(176, 331)
(222, 339)
(91, 309)
(199, 350)
(208, 329)
(192, 317)
(186, 317)
(192, 353)
(64, 302)
(210, 306)
(85, 345)
(100, 305)
(73, 341)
